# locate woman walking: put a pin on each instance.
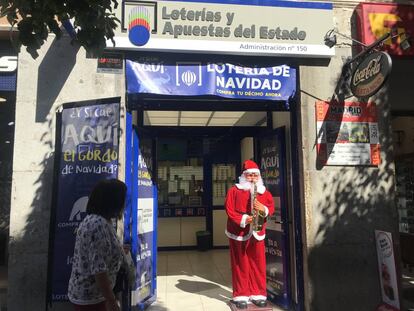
(98, 253)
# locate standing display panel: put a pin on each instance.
(86, 152)
(272, 152)
(140, 217)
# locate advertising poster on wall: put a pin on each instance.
(386, 269)
(347, 133)
(88, 153)
(272, 159)
(111, 63)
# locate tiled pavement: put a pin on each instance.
(408, 289)
(201, 281)
(194, 281)
(3, 288)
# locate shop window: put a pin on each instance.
(223, 178)
(405, 194)
(403, 135)
(180, 178)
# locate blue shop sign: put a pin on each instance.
(8, 72)
(211, 79)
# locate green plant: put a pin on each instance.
(93, 21)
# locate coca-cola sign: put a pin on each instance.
(370, 74)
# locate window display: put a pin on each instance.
(180, 178)
(180, 184)
(405, 194)
(224, 177)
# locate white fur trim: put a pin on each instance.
(241, 187)
(243, 221)
(257, 297)
(252, 170)
(241, 298)
(258, 237)
(236, 237)
(261, 189)
(266, 210)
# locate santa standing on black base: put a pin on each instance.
(247, 247)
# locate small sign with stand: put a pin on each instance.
(387, 272)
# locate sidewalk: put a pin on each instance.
(3, 288)
(194, 281)
(408, 289)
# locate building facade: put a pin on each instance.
(328, 210)
(8, 82)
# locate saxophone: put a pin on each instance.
(258, 216)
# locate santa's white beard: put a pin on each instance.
(246, 185)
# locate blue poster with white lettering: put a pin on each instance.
(198, 79)
(88, 153)
(144, 217)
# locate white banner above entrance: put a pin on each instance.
(244, 27)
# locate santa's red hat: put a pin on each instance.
(250, 166)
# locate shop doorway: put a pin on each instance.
(197, 159)
(191, 167)
(194, 174)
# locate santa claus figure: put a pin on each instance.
(247, 246)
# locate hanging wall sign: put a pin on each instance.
(88, 153)
(224, 80)
(370, 74)
(347, 133)
(376, 19)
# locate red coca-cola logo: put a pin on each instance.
(370, 74)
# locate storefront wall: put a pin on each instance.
(59, 75)
(341, 206)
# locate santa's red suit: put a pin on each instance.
(247, 247)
